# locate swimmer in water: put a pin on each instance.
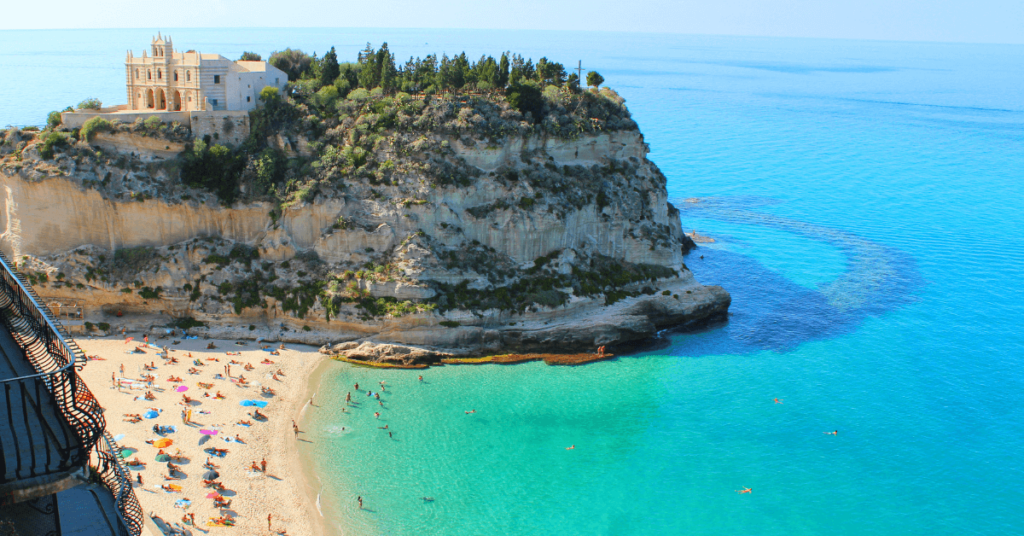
(427, 499)
(570, 448)
(744, 490)
(777, 401)
(835, 433)
(421, 378)
(472, 411)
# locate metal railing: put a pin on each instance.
(111, 470)
(56, 359)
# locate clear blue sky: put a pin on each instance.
(977, 21)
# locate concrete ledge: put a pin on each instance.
(40, 486)
(78, 118)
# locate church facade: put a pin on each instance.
(164, 80)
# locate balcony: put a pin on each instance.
(60, 472)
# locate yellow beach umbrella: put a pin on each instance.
(162, 443)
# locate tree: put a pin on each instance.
(573, 83)
(293, 62)
(329, 68)
(90, 104)
(526, 97)
(369, 75)
(594, 79)
(53, 120)
(503, 70)
(250, 56)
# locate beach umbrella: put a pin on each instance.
(208, 432)
(163, 458)
(259, 403)
(211, 474)
(127, 452)
(118, 437)
(161, 443)
(212, 495)
(151, 414)
(181, 388)
(203, 439)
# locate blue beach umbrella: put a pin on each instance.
(151, 414)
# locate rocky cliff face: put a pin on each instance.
(458, 244)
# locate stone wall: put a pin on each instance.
(229, 128)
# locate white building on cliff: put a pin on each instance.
(167, 80)
(208, 92)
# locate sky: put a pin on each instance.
(970, 21)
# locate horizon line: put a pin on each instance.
(408, 28)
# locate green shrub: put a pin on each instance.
(92, 126)
(252, 327)
(152, 122)
(53, 120)
(306, 328)
(103, 326)
(149, 293)
(91, 103)
(89, 326)
(52, 142)
(450, 324)
(187, 322)
(269, 94)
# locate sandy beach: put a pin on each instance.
(253, 494)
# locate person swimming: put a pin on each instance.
(777, 401)
(471, 411)
(570, 448)
(744, 490)
(427, 499)
(835, 433)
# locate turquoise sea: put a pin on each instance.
(866, 201)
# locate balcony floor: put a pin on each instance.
(35, 439)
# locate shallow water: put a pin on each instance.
(865, 198)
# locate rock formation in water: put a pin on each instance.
(435, 226)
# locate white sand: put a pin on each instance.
(280, 492)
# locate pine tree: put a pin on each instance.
(503, 71)
(329, 68)
(594, 79)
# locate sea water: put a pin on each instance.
(865, 200)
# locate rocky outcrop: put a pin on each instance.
(536, 244)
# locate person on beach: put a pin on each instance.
(122, 370)
(269, 517)
(263, 466)
(140, 480)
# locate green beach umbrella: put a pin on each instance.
(163, 458)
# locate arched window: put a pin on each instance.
(175, 76)
(188, 76)
(159, 74)
(149, 74)
(136, 74)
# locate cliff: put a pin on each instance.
(457, 227)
